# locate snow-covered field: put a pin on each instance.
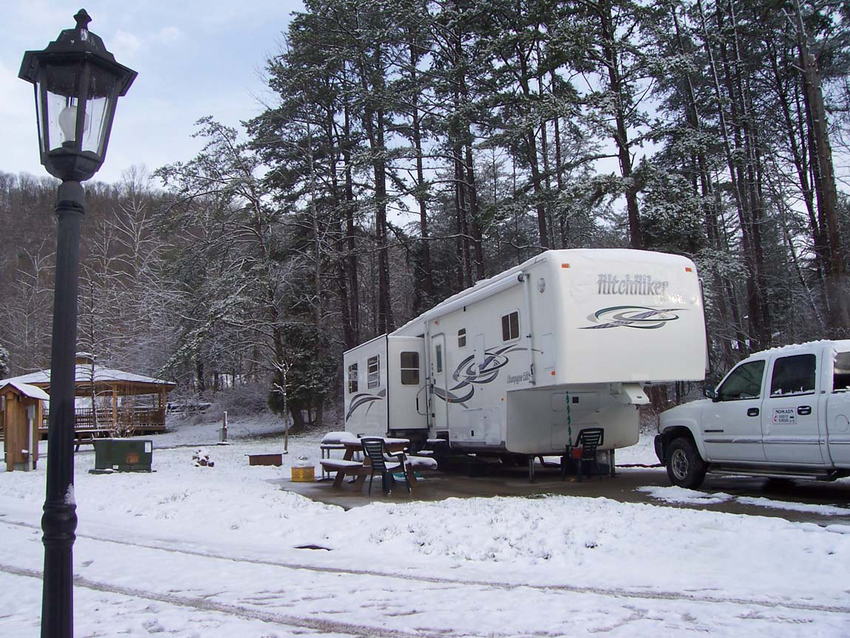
(214, 551)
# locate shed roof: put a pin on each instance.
(25, 389)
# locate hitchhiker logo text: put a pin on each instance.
(638, 285)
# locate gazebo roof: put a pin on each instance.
(104, 379)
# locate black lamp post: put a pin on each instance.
(77, 85)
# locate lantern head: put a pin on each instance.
(77, 85)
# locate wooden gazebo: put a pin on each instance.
(122, 403)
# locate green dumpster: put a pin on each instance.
(123, 455)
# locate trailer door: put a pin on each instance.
(406, 384)
(439, 383)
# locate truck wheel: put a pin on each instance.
(685, 468)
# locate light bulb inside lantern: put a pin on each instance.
(68, 123)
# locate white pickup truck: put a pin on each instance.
(783, 412)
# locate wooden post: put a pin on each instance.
(114, 407)
(8, 397)
(39, 417)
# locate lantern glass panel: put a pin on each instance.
(56, 90)
(100, 107)
(61, 121)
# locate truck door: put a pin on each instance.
(732, 423)
(789, 419)
(439, 382)
(838, 411)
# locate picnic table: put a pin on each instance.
(89, 435)
(347, 466)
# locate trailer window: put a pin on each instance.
(409, 366)
(352, 378)
(841, 374)
(793, 375)
(510, 326)
(373, 366)
(461, 338)
(743, 383)
(439, 357)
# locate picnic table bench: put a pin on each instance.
(88, 435)
(330, 442)
(345, 468)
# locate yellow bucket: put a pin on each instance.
(303, 474)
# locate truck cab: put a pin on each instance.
(783, 412)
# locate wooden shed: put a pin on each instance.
(21, 410)
(110, 400)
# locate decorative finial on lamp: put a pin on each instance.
(83, 19)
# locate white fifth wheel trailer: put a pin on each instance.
(521, 362)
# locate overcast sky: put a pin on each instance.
(194, 58)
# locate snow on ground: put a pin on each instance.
(212, 551)
(682, 496)
(643, 453)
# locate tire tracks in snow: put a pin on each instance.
(612, 592)
(201, 604)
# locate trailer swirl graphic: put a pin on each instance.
(641, 317)
(468, 374)
(363, 399)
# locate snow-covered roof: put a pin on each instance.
(25, 389)
(105, 376)
(841, 345)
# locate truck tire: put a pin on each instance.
(685, 468)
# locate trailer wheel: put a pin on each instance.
(685, 468)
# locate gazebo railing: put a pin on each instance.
(137, 419)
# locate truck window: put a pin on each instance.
(409, 366)
(510, 326)
(841, 373)
(743, 383)
(793, 375)
(373, 367)
(352, 378)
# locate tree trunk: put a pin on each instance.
(351, 264)
(621, 138)
(424, 284)
(838, 291)
(707, 195)
(736, 176)
(373, 123)
(474, 214)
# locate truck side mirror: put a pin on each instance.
(711, 393)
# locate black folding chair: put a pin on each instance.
(373, 448)
(588, 440)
